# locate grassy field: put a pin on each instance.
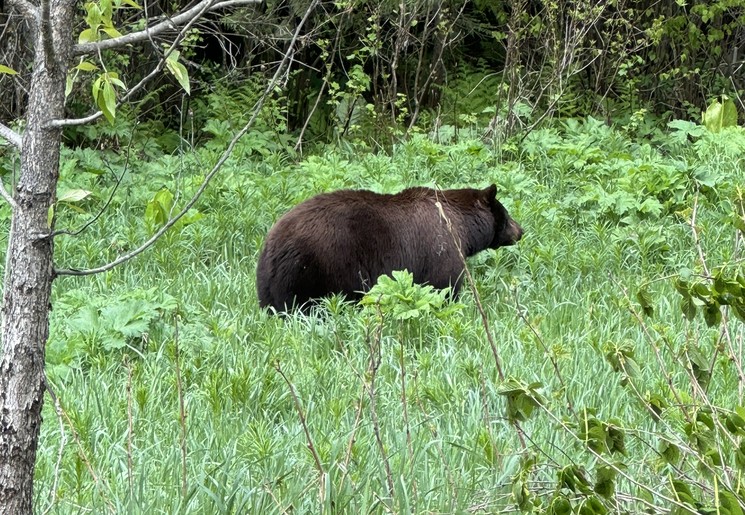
(352, 410)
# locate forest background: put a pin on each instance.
(596, 367)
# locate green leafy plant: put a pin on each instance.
(102, 325)
(720, 115)
(398, 297)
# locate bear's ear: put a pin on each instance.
(491, 193)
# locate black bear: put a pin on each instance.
(341, 242)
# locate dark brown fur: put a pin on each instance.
(341, 242)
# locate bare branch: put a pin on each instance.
(8, 198)
(118, 179)
(27, 9)
(155, 71)
(167, 24)
(299, 408)
(225, 155)
(15, 139)
(10, 135)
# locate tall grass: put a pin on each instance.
(401, 416)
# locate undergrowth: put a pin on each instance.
(596, 367)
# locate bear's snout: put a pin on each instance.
(514, 232)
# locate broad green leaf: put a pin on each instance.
(682, 492)
(645, 301)
(73, 195)
(574, 479)
(605, 482)
(87, 36)
(86, 66)
(93, 16)
(107, 101)
(96, 88)
(738, 222)
(112, 32)
(158, 210)
(712, 314)
(720, 115)
(669, 452)
(688, 307)
(738, 308)
(683, 129)
(592, 506)
(69, 82)
(106, 9)
(6, 70)
(522, 399)
(735, 424)
(657, 404)
(521, 493)
(729, 114)
(178, 70)
(560, 506)
(114, 79)
(728, 503)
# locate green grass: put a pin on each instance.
(448, 443)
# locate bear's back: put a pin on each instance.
(341, 242)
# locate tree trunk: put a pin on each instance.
(29, 263)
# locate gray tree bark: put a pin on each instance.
(29, 270)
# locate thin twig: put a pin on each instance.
(63, 442)
(471, 284)
(539, 339)
(10, 136)
(655, 348)
(81, 451)
(276, 501)
(169, 23)
(358, 414)
(703, 463)
(404, 404)
(130, 429)
(482, 311)
(614, 466)
(724, 326)
(8, 198)
(197, 14)
(218, 166)
(103, 209)
(181, 409)
(437, 439)
(372, 371)
(299, 409)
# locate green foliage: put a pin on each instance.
(600, 436)
(522, 399)
(98, 327)
(401, 299)
(104, 93)
(615, 402)
(227, 108)
(720, 115)
(159, 211)
(178, 70)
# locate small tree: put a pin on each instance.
(29, 270)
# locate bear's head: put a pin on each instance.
(507, 231)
